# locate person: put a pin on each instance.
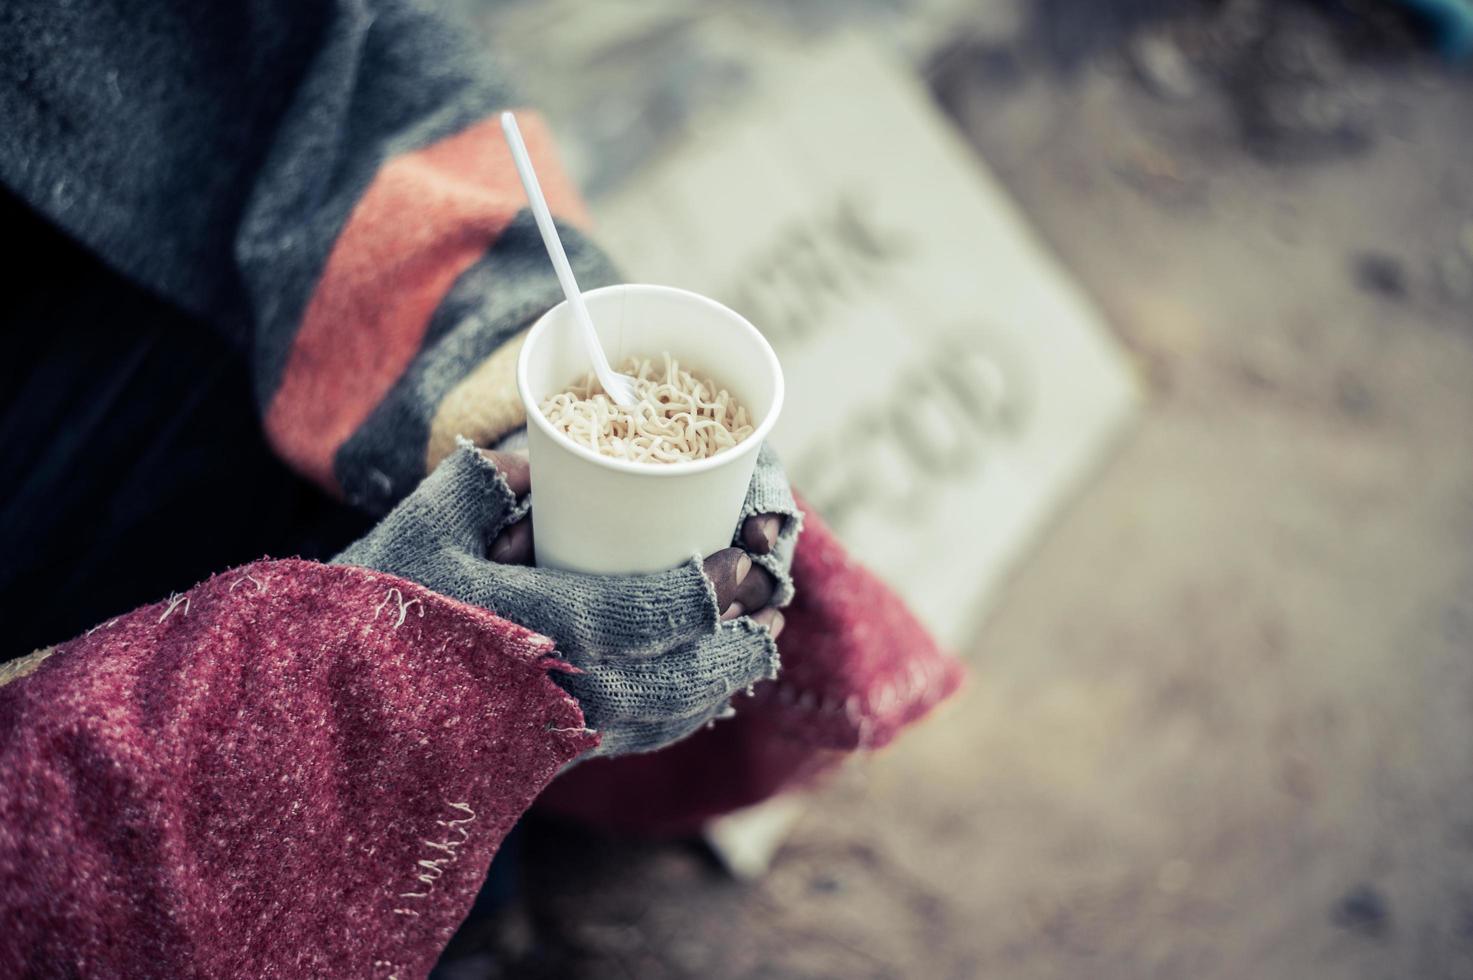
(270, 249)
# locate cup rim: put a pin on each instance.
(759, 434)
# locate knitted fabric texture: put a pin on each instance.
(326, 184)
(654, 662)
(290, 770)
(770, 493)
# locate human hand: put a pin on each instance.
(656, 660)
(767, 532)
(742, 587)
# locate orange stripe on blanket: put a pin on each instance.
(425, 219)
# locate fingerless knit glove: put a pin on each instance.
(769, 493)
(655, 662)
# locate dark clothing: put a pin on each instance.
(126, 430)
(321, 182)
(289, 212)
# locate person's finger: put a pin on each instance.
(772, 619)
(514, 467)
(756, 589)
(760, 531)
(727, 569)
(514, 545)
(733, 611)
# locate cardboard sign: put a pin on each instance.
(948, 384)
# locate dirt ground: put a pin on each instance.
(1221, 722)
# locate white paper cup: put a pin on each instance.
(594, 513)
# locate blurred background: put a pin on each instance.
(1164, 318)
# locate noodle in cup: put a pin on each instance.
(606, 515)
(676, 416)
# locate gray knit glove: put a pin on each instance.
(769, 493)
(656, 663)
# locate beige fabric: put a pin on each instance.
(483, 407)
(21, 666)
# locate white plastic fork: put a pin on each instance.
(620, 387)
